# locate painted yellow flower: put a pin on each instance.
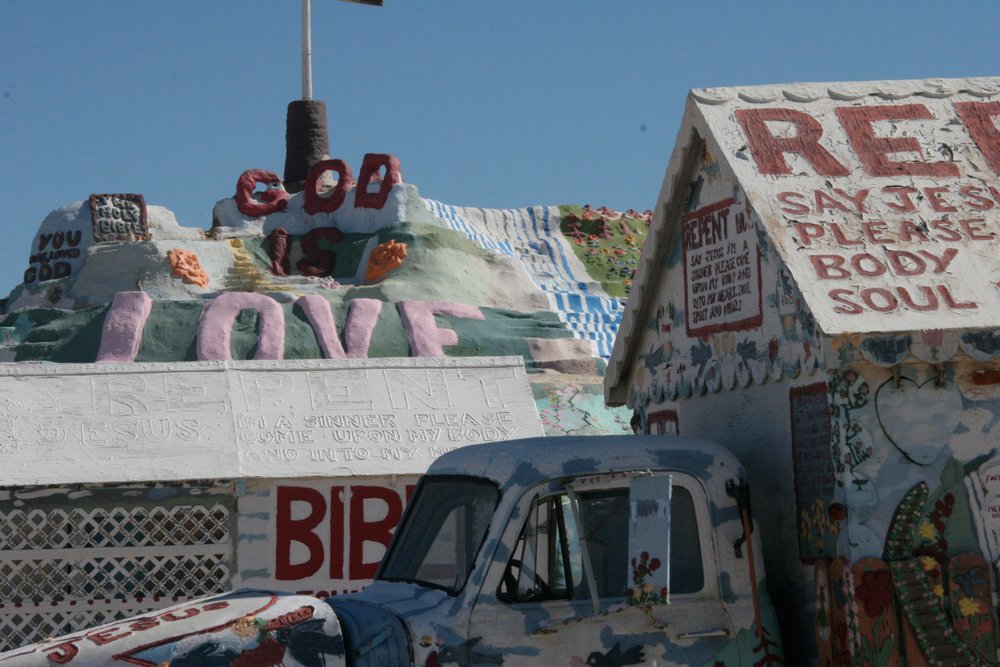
(928, 531)
(928, 563)
(846, 340)
(938, 590)
(245, 627)
(969, 607)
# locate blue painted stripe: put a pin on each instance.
(538, 244)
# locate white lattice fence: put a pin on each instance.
(63, 568)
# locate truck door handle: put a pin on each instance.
(716, 632)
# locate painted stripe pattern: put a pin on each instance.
(532, 237)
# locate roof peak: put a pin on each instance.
(849, 90)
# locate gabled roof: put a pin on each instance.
(881, 198)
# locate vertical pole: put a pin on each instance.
(306, 50)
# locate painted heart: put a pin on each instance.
(918, 418)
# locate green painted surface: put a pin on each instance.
(609, 247)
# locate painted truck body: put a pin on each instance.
(820, 293)
(546, 551)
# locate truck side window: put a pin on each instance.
(547, 561)
(687, 573)
(545, 564)
(604, 515)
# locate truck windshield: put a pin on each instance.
(441, 534)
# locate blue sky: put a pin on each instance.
(486, 103)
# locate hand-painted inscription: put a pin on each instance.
(49, 257)
(813, 469)
(349, 417)
(882, 210)
(885, 249)
(125, 321)
(118, 218)
(721, 270)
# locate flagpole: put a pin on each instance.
(307, 139)
(306, 50)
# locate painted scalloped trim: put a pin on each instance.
(850, 91)
(730, 372)
(932, 347)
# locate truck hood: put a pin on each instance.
(404, 599)
(241, 628)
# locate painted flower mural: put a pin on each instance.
(384, 258)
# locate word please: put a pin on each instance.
(879, 232)
(126, 319)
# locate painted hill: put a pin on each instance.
(383, 272)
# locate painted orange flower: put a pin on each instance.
(184, 264)
(384, 258)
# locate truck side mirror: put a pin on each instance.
(649, 540)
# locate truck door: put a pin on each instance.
(569, 591)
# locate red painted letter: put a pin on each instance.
(290, 530)
(271, 201)
(369, 168)
(768, 150)
(313, 203)
(873, 151)
(979, 119)
(374, 531)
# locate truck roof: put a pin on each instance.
(531, 460)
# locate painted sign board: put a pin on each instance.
(721, 270)
(885, 207)
(71, 423)
(317, 536)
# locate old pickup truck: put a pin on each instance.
(559, 551)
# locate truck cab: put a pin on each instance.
(545, 551)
